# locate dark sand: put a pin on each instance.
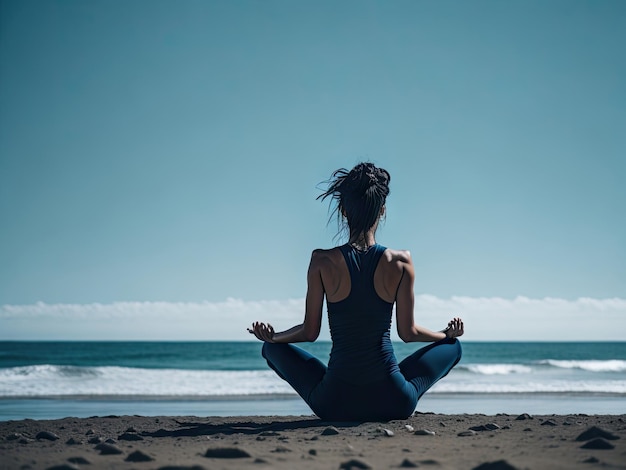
(304, 442)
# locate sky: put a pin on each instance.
(160, 160)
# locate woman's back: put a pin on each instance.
(360, 322)
(336, 275)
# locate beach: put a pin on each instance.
(425, 440)
(51, 380)
(157, 405)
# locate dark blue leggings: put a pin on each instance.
(394, 397)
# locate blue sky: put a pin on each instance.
(169, 152)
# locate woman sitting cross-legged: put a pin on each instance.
(361, 281)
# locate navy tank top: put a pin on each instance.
(359, 324)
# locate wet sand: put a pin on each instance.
(432, 441)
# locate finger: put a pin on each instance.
(265, 332)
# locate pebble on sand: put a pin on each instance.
(108, 449)
(127, 436)
(594, 432)
(330, 431)
(50, 436)
(548, 422)
(424, 432)
(281, 450)
(63, 466)
(226, 453)
(597, 443)
(497, 465)
(523, 417)
(72, 442)
(354, 464)
(181, 467)
(138, 456)
(485, 427)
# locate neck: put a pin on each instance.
(363, 241)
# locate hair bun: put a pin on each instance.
(359, 195)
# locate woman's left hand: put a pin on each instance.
(455, 328)
(263, 331)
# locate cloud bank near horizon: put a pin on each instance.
(486, 319)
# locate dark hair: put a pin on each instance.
(359, 194)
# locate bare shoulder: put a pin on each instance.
(393, 266)
(322, 253)
(398, 256)
(325, 257)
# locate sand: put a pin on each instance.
(427, 441)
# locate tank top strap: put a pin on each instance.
(362, 264)
(370, 261)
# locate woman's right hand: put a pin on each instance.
(454, 329)
(263, 331)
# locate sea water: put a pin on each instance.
(45, 380)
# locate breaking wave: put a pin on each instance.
(61, 381)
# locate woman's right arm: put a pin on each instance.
(408, 331)
(309, 329)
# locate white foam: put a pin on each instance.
(498, 369)
(612, 365)
(53, 380)
(555, 386)
(94, 382)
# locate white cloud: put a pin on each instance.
(143, 320)
(488, 319)
(524, 318)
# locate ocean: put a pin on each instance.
(49, 380)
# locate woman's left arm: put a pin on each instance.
(309, 330)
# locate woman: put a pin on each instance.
(361, 281)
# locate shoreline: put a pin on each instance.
(282, 396)
(443, 403)
(438, 441)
